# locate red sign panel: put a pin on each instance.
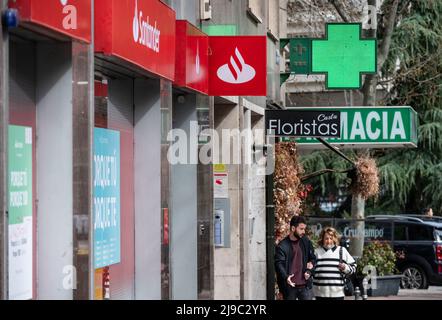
(192, 58)
(238, 66)
(139, 31)
(69, 17)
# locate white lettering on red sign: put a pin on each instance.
(145, 33)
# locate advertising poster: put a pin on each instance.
(20, 212)
(107, 235)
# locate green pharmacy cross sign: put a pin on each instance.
(343, 56)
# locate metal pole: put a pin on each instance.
(4, 123)
(270, 238)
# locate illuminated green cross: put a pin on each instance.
(343, 56)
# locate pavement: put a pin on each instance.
(432, 293)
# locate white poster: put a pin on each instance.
(20, 260)
(220, 185)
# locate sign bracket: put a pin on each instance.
(335, 150)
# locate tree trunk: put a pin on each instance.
(357, 202)
(357, 212)
(369, 92)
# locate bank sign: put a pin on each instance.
(141, 32)
(378, 127)
(238, 66)
(69, 17)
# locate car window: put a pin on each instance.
(420, 233)
(378, 230)
(400, 232)
(439, 235)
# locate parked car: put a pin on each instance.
(418, 242)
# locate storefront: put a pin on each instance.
(191, 253)
(48, 141)
(134, 68)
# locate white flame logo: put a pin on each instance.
(135, 26)
(64, 2)
(197, 62)
(236, 71)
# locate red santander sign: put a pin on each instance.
(141, 32)
(238, 66)
(192, 59)
(69, 17)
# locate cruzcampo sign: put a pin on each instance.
(371, 127)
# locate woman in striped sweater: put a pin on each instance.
(331, 266)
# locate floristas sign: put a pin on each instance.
(372, 127)
(303, 123)
(140, 32)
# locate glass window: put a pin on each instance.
(400, 232)
(439, 235)
(378, 230)
(419, 233)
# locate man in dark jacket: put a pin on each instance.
(294, 262)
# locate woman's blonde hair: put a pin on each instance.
(331, 232)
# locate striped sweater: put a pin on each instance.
(327, 280)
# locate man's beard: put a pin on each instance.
(296, 235)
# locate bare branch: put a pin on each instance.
(341, 12)
(386, 41)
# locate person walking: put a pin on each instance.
(333, 264)
(294, 261)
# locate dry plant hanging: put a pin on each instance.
(365, 179)
(288, 191)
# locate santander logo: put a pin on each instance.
(236, 71)
(144, 33)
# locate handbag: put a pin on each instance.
(348, 284)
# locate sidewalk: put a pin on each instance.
(432, 293)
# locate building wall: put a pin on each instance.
(240, 271)
(227, 261)
(54, 171)
(186, 10)
(183, 219)
(255, 213)
(147, 189)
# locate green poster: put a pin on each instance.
(20, 213)
(20, 173)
